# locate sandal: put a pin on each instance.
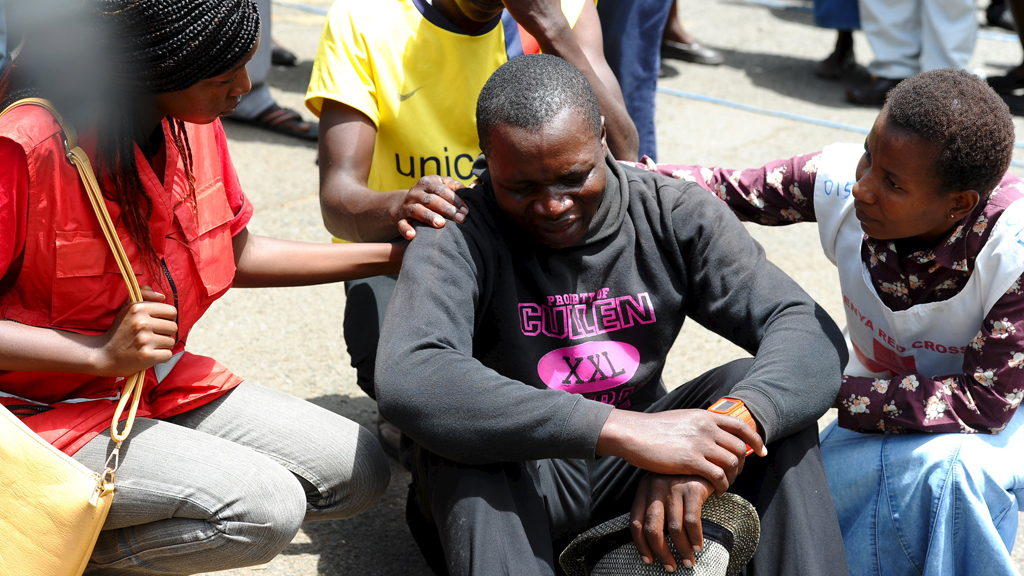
(285, 121)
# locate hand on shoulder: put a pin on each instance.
(432, 201)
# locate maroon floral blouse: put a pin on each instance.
(981, 398)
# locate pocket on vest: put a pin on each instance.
(208, 233)
(88, 289)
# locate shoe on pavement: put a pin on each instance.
(999, 16)
(872, 93)
(1013, 80)
(835, 65)
(282, 57)
(695, 52)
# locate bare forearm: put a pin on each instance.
(28, 348)
(353, 212)
(623, 140)
(265, 262)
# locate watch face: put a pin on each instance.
(725, 405)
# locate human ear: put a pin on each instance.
(964, 202)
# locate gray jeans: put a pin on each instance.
(228, 484)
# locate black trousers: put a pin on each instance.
(366, 301)
(515, 518)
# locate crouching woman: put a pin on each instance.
(926, 228)
(218, 473)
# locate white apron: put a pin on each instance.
(928, 339)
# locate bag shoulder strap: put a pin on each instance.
(78, 158)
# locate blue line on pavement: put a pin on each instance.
(765, 111)
(786, 115)
(782, 5)
(303, 7)
(1002, 36)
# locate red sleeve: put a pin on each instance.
(239, 203)
(13, 202)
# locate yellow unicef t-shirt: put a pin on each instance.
(417, 77)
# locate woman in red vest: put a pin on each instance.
(218, 473)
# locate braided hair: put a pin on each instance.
(148, 47)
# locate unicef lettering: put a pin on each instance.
(456, 165)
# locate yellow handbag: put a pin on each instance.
(52, 507)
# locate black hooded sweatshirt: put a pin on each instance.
(497, 348)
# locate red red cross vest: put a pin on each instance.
(70, 281)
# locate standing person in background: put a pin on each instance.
(632, 33)
(5, 50)
(843, 16)
(911, 36)
(220, 472)
(395, 85)
(258, 107)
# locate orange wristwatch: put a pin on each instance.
(735, 407)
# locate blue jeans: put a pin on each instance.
(922, 504)
(632, 46)
(837, 14)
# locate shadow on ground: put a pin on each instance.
(784, 14)
(793, 77)
(377, 537)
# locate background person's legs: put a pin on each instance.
(258, 107)
(893, 28)
(949, 29)
(258, 99)
(632, 46)
(194, 500)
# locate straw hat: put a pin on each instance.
(731, 531)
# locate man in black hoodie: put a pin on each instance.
(524, 347)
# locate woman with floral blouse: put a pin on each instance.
(927, 231)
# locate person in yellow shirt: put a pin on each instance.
(395, 84)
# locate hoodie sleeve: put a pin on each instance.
(734, 291)
(429, 384)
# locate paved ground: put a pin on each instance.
(291, 338)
